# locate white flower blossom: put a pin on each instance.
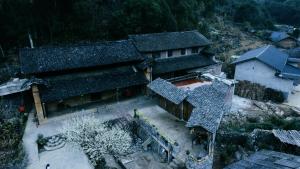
(95, 138)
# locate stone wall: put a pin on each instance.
(145, 130)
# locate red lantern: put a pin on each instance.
(21, 109)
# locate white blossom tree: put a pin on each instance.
(96, 138)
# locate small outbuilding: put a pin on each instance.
(283, 40)
(200, 107)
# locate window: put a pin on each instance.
(170, 53)
(156, 55)
(195, 50)
(183, 52)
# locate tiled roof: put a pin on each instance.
(291, 72)
(210, 102)
(279, 36)
(13, 86)
(19, 85)
(269, 55)
(169, 40)
(288, 136)
(265, 159)
(167, 90)
(181, 63)
(294, 53)
(76, 84)
(48, 59)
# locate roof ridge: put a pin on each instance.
(83, 44)
(267, 47)
(158, 33)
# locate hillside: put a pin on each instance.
(60, 22)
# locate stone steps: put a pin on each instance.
(54, 143)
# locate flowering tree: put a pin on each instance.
(95, 137)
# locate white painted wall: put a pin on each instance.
(258, 72)
(189, 51)
(163, 54)
(176, 52)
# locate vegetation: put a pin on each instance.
(253, 14)
(95, 138)
(11, 152)
(60, 21)
(41, 141)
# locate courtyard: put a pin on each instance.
(71, 156)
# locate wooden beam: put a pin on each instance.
(211, 144)
(38, 104)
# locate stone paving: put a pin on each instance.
(70, 157)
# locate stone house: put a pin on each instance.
(174, 54)
(268, 67)
(82, 74)
(283, 40)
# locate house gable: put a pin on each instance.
(256, 71)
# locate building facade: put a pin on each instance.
(82, 74)
(174, 54)
(257, 72)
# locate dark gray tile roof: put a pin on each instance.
(294, 53)
(210, 102)
(167, 90)
(291, 72)
(65, 86)
(266, 159)
(269, 55)
(181, 63)
(145, 64)
(48, 59)
(288, 136)
(169, 40)
(279, 36)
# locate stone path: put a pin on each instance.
(70, 157)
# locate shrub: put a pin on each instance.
(41, 141)
(265, 125)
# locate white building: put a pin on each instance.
(268, 67)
